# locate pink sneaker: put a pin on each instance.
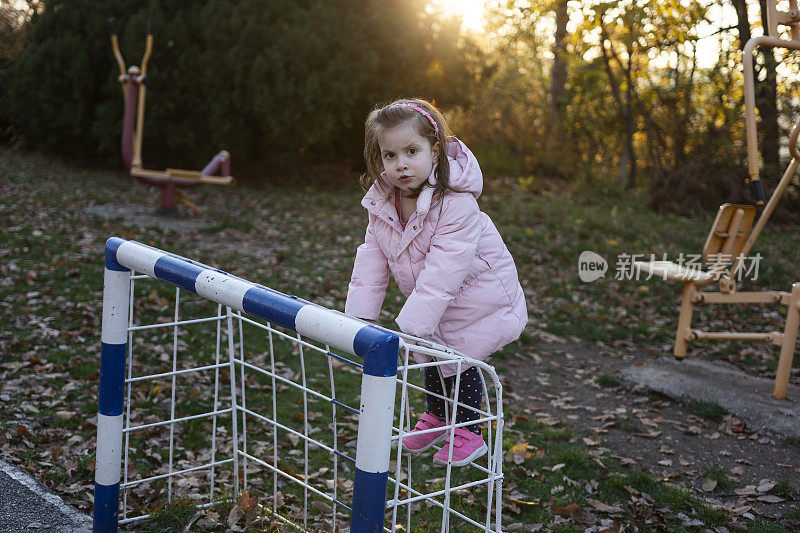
(467, 446)
(420, 443)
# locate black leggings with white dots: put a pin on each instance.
(470, 393)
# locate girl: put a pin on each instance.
(446, 256)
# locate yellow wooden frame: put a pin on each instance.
(731, 235)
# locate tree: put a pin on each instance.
(767, 98)
(558, 74)
(266, 79)
(14, 26)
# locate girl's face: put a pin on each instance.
(407, 156)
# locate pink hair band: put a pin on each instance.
(419, 110)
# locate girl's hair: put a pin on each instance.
(395, 114)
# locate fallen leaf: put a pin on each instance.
(321, 507)
(765, 487)
(631, 490)
(602, 507)
(687, 521)
(652, 434)
(233, 518)
(770, 498)
(518, 453)
(709, 484)
(246, 503)
(567, 509)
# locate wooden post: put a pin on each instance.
(684, 320)
(787, 349)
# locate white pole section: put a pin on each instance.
(379, 349)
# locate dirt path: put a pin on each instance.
(557, 380)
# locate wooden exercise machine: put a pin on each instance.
(731, 238)
(172, 180)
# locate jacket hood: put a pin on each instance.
(465, 175)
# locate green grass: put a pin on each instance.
(792, 442)
(630, 425)
(83, 466)
(607, 380)
(762, 526)
(720, 475)
(709, 410)
(170, 518)
(785, 488)
(57, 474)
(710, 516)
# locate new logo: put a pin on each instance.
(591, 266)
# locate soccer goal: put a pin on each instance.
(213, 388)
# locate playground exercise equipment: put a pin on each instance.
(172, 180)
(731, 237)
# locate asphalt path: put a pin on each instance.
(27, 505)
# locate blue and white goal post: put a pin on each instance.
(287, 428)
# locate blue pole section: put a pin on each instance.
(379, 349)
(113, 347)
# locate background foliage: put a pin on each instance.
(262, 78)
(610, 95)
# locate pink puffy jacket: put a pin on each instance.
(450, 263)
